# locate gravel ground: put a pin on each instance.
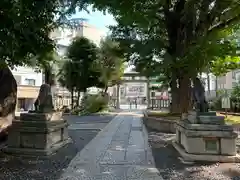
(16, 168)
(171, 167)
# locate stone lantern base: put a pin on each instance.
(37, 134)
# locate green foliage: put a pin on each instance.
(235, 95)
(25, 30)
(83, 56)
(48, 63)
(110, 62)
(235, 98)
(216, 104)
(94, 103)
(67, 75)
(189, 32)
(221, 66)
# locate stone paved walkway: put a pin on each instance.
(82, 129)
(119, 152)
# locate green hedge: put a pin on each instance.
(92, 104)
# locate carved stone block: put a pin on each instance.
(37, 134)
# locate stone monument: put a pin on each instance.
(204, 136)
(40, 132)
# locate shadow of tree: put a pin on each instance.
(20, 168)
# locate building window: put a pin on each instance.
(122, 91)
(30, 82)
(234, 75)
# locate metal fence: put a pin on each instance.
(159, 104)
(112, 102)
(154, 103)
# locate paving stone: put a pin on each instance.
(93, 152)
(119, 152)
(79, 126)
(136, 156)
(114, 156)
(117, 145)
(137, 124)
(136, 139)
(143, 173)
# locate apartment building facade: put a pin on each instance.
(229, 80)
(221, 83)
(29, 82)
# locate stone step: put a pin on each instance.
(218, 120)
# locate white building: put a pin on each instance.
(64, 36)
(27, 76)
(226, 82)
(29, 82)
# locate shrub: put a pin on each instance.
(94, 103)
(216, 104)
(77, 111)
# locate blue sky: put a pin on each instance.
(97, 19)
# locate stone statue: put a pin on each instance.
(198, 94)
(44, 102)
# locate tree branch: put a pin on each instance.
(222, 25)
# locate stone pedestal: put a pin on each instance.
(205, 137)
(37, 134)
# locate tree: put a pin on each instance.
(83, 57)
(173, 30)
(25, 30)
(49, 64)
(110, 63)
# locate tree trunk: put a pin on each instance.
(185, 93)
(78, 97)
(118, 96)
(106, 89)
(8, 98)
(48, 76)
(148, 93)
(216, 87)
(72, 98)
(175, 104)
(84, 92)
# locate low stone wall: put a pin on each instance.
(160, 124)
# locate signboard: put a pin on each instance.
(161, 95)
(135, 90)
(226, 103)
